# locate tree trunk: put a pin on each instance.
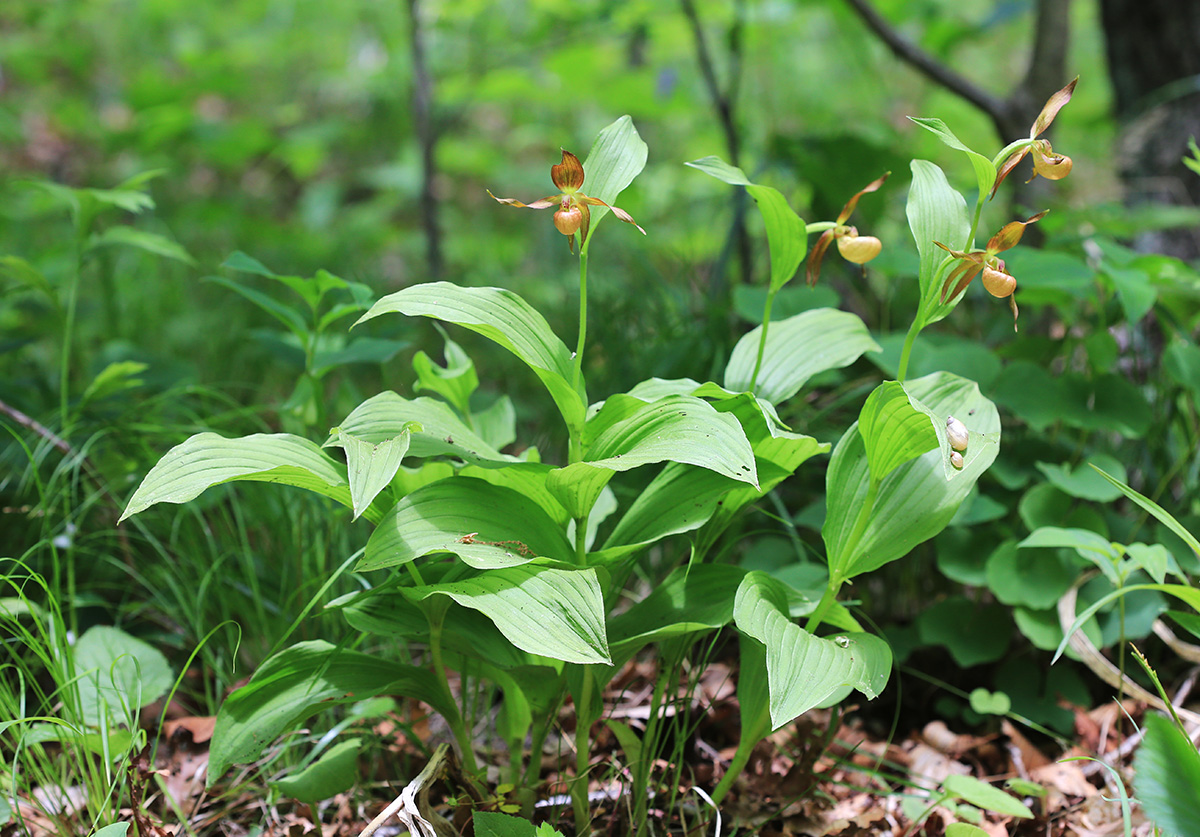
(1154, 65)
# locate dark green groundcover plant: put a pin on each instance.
(493, 561)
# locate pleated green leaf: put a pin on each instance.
(618, 156)
(798, 348)
(914, 501)
(1167, 777)
(483, 524)
(936, 212)
(803, 670)
(541, 610)
(894, 428)
(504, 318)
(207, 459)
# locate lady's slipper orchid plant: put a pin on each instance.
(856, 248)
(573, 214)
(996, 279)
(1046, 162)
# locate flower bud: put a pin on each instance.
(859, 249)
(998, 283)
(957, 432)
(956, 460)
(568, 220)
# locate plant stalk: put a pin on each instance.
(579, 794)
(455, 720)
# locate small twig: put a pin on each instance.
(411, 807)
(37, 427)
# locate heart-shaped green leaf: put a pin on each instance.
(895, 429)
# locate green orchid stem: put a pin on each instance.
(910, 338)
(579, 793)
(578, 373)
(762, 340)
(836, 579)
(457, 726)
(581, 526)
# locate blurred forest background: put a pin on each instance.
(360, 136)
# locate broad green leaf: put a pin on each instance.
(971, 632)
(631, 745)
(497, 423)
(1034, 578)
(542, 610)
(1161, 514)
(677, 428)
(1084, 482)
(527, 478)
(1153, 558)
(985, 172)
(577, 487)
(300, 681)
(485, 525)
(153, 243)
(120, 671)
(442, 433)
(916, 500)
(504, 318)
(618, 156)
(894, 429)
(692, 598)
(990, 703)
(679, 499)
(116, 829)
(936, 212)
(23, 273)
(798, 348)
(787, 238)
(370, 467)
(803, 671)
(359, 350)
(207, 459)
(982, 795)
(455, 381)
(1088, 544)
(239, 261)
(333, 772)
(1167, 777)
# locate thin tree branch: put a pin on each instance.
(936, 71)
(426, 136)
(722, 100)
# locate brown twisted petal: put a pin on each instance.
(817, 256)
(541, 203)
(568, 175)
(1050, 110)
(853, 202)
(620, 213)
(1010, 234)
(962, 275)
(1012, 303)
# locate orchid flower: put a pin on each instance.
(573, 214)
(996, 279)
(1046, 162)
(856, 248)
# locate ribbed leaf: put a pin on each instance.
(1167, 777)
(936, 212)
(207, 459)
(804, 671)
(894, 428)
(985, 172)
(441, 432)
(916, 500)
(485, 525)
(299, 682)
(798, 348)
(618, 156)
(546, 611)
(504, 318)
(370, 467)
